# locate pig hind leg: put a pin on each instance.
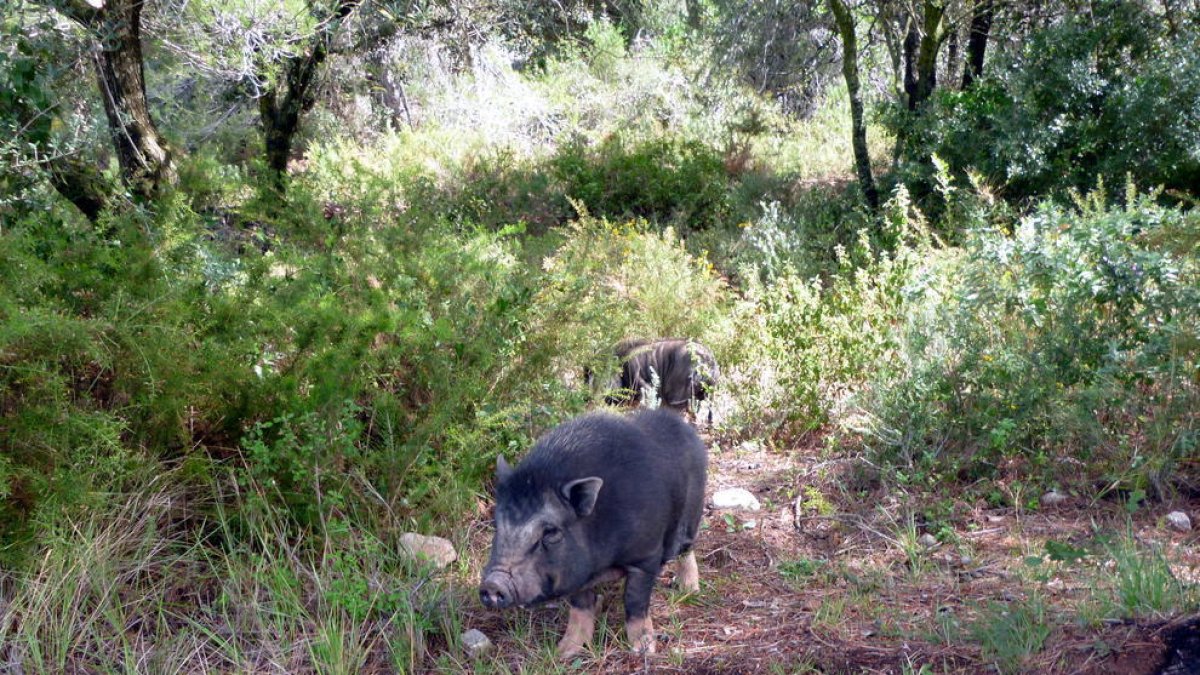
(639, 585)
(689, 573)
(581, 624)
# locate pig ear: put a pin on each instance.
(581, 494)
(503, 470)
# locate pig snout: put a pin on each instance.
(497, 590)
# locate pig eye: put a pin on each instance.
(552, 535)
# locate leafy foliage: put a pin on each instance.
(1065, 341)
(1099, 95)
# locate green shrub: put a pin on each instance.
(826, 337)
(665, 180)
(1099, 95)
(608, 282)
(1068, 342)
(799, 239)
(115, 350)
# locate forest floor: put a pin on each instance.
(830, 576)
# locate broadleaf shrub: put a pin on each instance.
(1098, 95)
(1069, 342)
(824, 336)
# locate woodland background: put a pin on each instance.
(280, 280)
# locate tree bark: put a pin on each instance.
(80, 183)
(912, 39)
(281, 106)
(927, 53)
(981, 27)
(858, 137)
(695, 14)
(144, 156)
(951, 63)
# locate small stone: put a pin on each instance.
(1055, 585)
(475, 643)
(965, 561)
(749, 524)
(440, 552)
(1053, 498)
(735, 498)
(1178, 520)
(927, 540)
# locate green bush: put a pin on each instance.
(1095, 96)
(115, 350)
(800, 239)
(665, 180)
(1069, 342)
(825, 337)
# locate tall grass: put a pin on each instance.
(159, 582)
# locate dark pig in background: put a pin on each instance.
(601, 497)
(680, 372)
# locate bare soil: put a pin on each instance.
(826, 578)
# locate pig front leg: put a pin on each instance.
(581, 624)
(639, 584)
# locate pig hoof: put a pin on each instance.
(641, 635)
(580, 626)
(646, 645)
(568, 649)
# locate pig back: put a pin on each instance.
(653, 466)
(678, 450)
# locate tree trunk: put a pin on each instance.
(281, 106)
(912, 39)
(921, 47)
(145, 159)
(858, 136)
(981, 27)
(144, 156)
(951, 56)
(695, 14)
(927, 54)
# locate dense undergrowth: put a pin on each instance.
(218, 414)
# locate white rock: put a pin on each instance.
(1053, 498)
(1056, 585)
(435, 550)
(475, 643)
(927, 540)
(1178, 520)
(735, 498)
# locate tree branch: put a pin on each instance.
(83, 12)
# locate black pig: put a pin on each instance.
(686, 372)
(598, 498)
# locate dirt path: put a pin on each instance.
(829, 576)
